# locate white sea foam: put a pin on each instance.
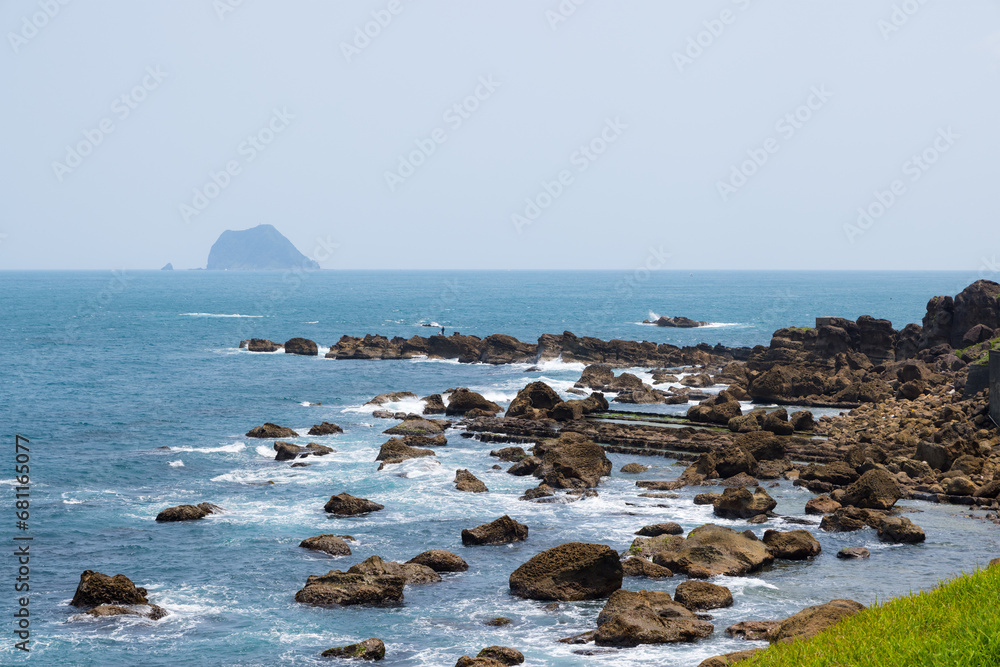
(218, 315)
(316, 322)
(177, 464)
(228, 449)
(265, 451)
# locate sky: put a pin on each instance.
(513, 134)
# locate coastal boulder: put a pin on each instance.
(572, 571)
(711, 550)
(577, 409)
(151, 611)
(262, 345)
(302, 346)
(326, 428)
(899, 529)
(396, 451)
(344, 504)
(369, 649)
(739, 503)
(272, 431)
(637, 566)
(440, 561)
(657, 529)
(571, 461)
(812, 620)
(97, 589)
(632, 618)
(533, 402)
(792, 545)
(596, 376)
(466, 481)
(328, 544)
(633, 468)
(417, 425)
(343, 588)
(391, 397)
(462, 401)
(499, 531)
(702, 595)
(187, 512)
(876, 489)
(286, 451)
(411, 573)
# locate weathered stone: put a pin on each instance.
(330, 544)
(812, 620)
(440, 561)
(345, 504)
(499, 531)
(572, 571)
(369, 649)
(702, 595)
(792, 545)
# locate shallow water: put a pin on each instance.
(99, 383)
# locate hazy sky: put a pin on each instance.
(503, 134)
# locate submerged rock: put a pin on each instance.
(633, 468)
(286, 451)
(392, 397)
(411, 573)
(150, 611)
(573, 571)
(326, 428)
(850, 553)
(342, 588)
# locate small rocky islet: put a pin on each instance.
(916, 425)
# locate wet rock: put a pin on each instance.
(411, 573)
(812, 620)
(647, 617)
(433, 404)
(272, 431)
(302, 346)
(391, 397)
(802, 421)
(792, 545)
(572, 571)
(543, 490)
(502, 654)
(758, 519)
(440, 561)
(851, 553)
(345, 504)
(848, 519)
(286, 451)
(498, 622)
(417, 425)
(330, 544)
(960, 486)
(738, 503)
(509, 454)
(466, 661)
(533, 402)
(396, 451)
(657, 529)
(262, 345)
(637, 566)
(740, 480)
(571, 461)
(578, 409)
(596, 376)
(821, 505)
(711, 550)
(702, 595)
(876, 489)
(369, 649)
(776, 422)
(187, 512)
(343, 588)
(499, 531)
(326, 428)
(762, 445)
(751, 630)
(463, 401)
(901, 530)
(466, 481)
(97, 589)
(707, 498)
(150, 611)
(525, 466)
(633, 468)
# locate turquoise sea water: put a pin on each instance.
(100, 370)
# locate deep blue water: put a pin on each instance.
(99, 370)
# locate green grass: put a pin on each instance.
(984, 358)
(956, 624)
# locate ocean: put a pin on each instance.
(101, 370)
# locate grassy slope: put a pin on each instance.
(955, 624)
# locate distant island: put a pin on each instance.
(261, 248)
(168, 267)
(679, 322)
